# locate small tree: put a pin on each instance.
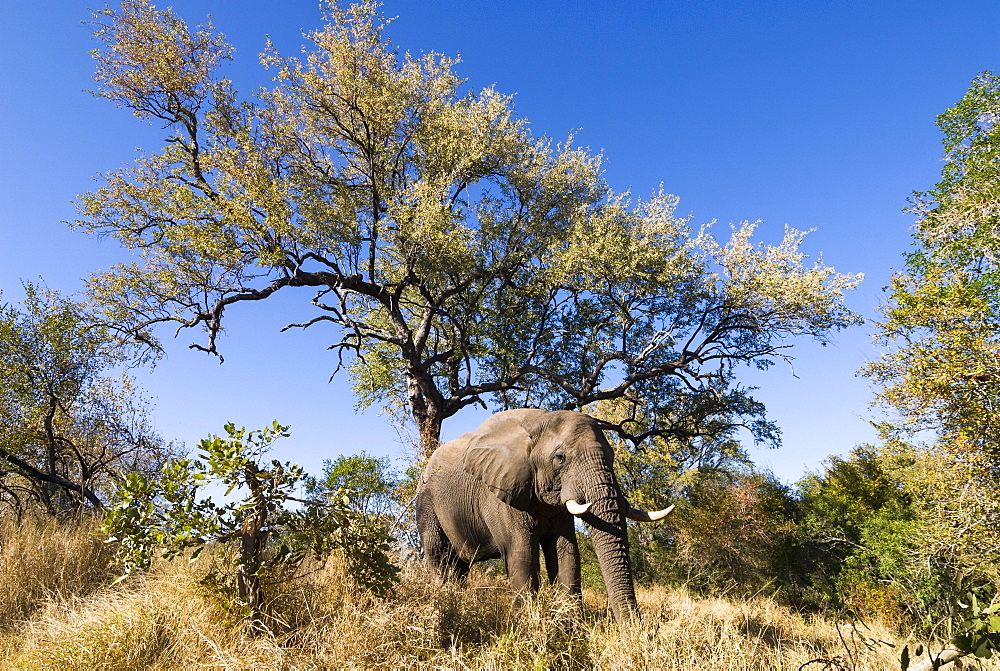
(367, 480)
(69, 433)
(167, 518)
(884, 532)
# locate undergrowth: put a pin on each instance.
(43, 559)
(61, 612)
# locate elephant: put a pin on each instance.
(512, 490)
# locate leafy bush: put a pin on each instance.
(897, 533)
(272, 530)
(736, 528)
(857, 520)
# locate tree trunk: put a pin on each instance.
(946, 656)
(55, 495)
(430, 436)
(253, 541)
(427, 412)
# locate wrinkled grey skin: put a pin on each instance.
(500, 492)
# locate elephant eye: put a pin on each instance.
(559, 458)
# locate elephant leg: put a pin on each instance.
(438, 549)
(523, 567)
(442, 555)
(455, 567)
(551, 559)
(562, 556)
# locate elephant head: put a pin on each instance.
(551, 463)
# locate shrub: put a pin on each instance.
(271, 539)
(735, 529)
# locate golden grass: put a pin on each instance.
(167, 620)
(42, 559)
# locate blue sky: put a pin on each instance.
(811, 114)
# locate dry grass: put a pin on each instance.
(167, 620)
(42, 559)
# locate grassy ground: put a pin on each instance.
(57, 610)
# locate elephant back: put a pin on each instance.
(447, 455)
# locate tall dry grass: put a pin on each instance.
(43, 559)
(167, 620)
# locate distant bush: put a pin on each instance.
(733, 531)
(898, 534)
(736, 531)
(367, 481)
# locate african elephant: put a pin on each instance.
(513, 487)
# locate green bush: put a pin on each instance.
(272, 531)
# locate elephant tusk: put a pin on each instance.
(578, 508)
(643, 516)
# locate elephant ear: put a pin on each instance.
(498, 456)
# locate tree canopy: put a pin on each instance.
(459, 258)
(69, 430)
(943, 315)
(940, 379)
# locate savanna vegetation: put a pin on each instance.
(459, 259)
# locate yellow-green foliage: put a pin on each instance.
(166, 619)
(941, 320)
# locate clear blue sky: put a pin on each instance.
(812, 114)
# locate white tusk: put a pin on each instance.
(643, 516)
(578, 508)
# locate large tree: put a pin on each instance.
(69, 431)
(943, 315)
(940, 378)
(459, 258)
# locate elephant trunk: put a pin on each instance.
(605, 522)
